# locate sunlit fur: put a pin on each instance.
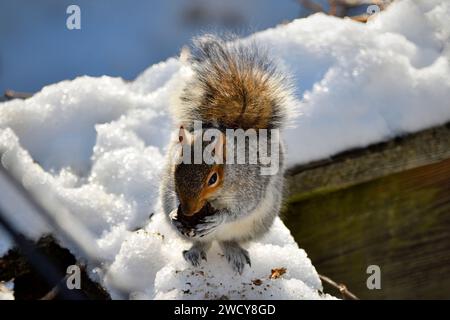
(235, 85)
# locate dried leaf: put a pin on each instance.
(277, 272)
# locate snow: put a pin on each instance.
(96, 147)
(158, 249)
(365, 84)
(7, 290)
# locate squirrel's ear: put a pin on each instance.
(184, 136)
(219, 149)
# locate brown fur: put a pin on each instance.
(237, 99)
(234, 86)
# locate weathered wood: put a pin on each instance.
(361, 165)
(387, 205)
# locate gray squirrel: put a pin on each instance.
(235, 85)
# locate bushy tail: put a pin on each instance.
(235, 85)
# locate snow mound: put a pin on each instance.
(96, 146)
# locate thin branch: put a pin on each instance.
(361, 18)
(61, 284)
(55, 290)
(11, 94)
(346, 294)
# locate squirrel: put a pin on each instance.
(235, 85)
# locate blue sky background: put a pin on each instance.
(117, 38)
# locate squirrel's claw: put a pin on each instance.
(203, 255)
(180, 227)
(236, 256)
(217, 219)
(194, 255)
(205, 226)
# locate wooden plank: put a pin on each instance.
(400, 222)
(365, 164)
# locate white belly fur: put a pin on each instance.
(245, 227)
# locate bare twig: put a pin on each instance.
(361, 18)
(55, 290)
(311, 5)
(11, 94)
(346, 294)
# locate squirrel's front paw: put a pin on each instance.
(206, 226)
(194, 255)
(236, 256)
(196, 228)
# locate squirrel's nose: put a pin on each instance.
(189, 208)
(186, 209)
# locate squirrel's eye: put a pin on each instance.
(213, 179)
